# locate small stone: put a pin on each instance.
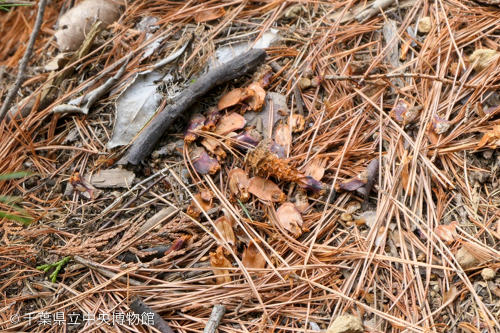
(352, 207)
(346, 217)
(346, 324)
(488, 274)
(482, 58)
(466, 259)
(424, 25)
(304, 83)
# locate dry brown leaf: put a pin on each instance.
(283, 136)
(225, 229)
(232, 98)
(252, 258)
(257, 96)
(209, 14)
(298, 123)
(238, 184)
(76, 23)
(490, 139)
(204, 199)
(450, 295)
(446, 233)
(230, 123)
(265, 189)
(218, 260)
(315, 169)
(210, 143)
(290, 218)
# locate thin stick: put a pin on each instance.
(24, 61)
(213, 322)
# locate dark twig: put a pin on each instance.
(21, 76)
(148, 138)
(139, 307)
(215, 318)
(367, 188)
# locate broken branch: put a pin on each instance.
(148, 138)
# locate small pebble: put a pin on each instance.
(346, 217)
(424, 25)
(304, 83)
(488, 274)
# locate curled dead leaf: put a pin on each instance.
(209, 14)
(219, 261)
(266, 190)
(257, 97)
(490, 139)
(298, 123)
(225, 228)
(76, 22)
(230, 123)
(446, 233)
(290, 218)
(213, 145)
(252, 258)
(195, 124)
(204, 163)
(238, 184)
(232, 98)
(204, 199)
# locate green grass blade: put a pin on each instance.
(21, 219)
(14, 175)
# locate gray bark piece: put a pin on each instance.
(113, 178)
